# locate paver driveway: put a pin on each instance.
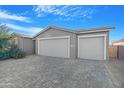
(41, 71)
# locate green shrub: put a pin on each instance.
(4, 49)
(10, 51)
(16, 53)
(4, 54)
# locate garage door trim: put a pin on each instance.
(100, 35)
(58, 37)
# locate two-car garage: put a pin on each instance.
(65, 44)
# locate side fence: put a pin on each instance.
(116, 52)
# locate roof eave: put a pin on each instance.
(54, 27)
(76, 31)
(93, 31)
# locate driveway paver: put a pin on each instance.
(40, 71)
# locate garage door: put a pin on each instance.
(91, 47)
(55, 47)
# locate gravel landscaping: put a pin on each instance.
(49, 72)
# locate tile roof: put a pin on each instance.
(121, 40)
(22, 35)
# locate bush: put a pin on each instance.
(4, 50)
(16, 53)
(10, 51)
(4, 54)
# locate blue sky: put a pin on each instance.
(32, 19)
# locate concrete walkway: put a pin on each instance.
(40, 71)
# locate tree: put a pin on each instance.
(7, 49)
(5, 36)
(5, 33)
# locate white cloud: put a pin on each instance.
(26, 30)
(6, 15)
(65, 11)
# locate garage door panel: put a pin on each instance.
(54, 47)
(91, 48)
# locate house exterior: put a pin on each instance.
(86, 44)
(118, 43)
(24, 42)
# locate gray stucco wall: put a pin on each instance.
(26, 44)
(36, 47)
(20, 42)
(56, 33)
(107, 46)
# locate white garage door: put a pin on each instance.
(55, 47)
(91, 47)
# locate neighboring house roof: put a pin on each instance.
(118, 43)
(22, 35)
(100, 29)
(122, 40)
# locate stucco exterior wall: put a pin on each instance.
(36, 46)
(19, 42)
(56, 33)
(107, 47)
(26, 44)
